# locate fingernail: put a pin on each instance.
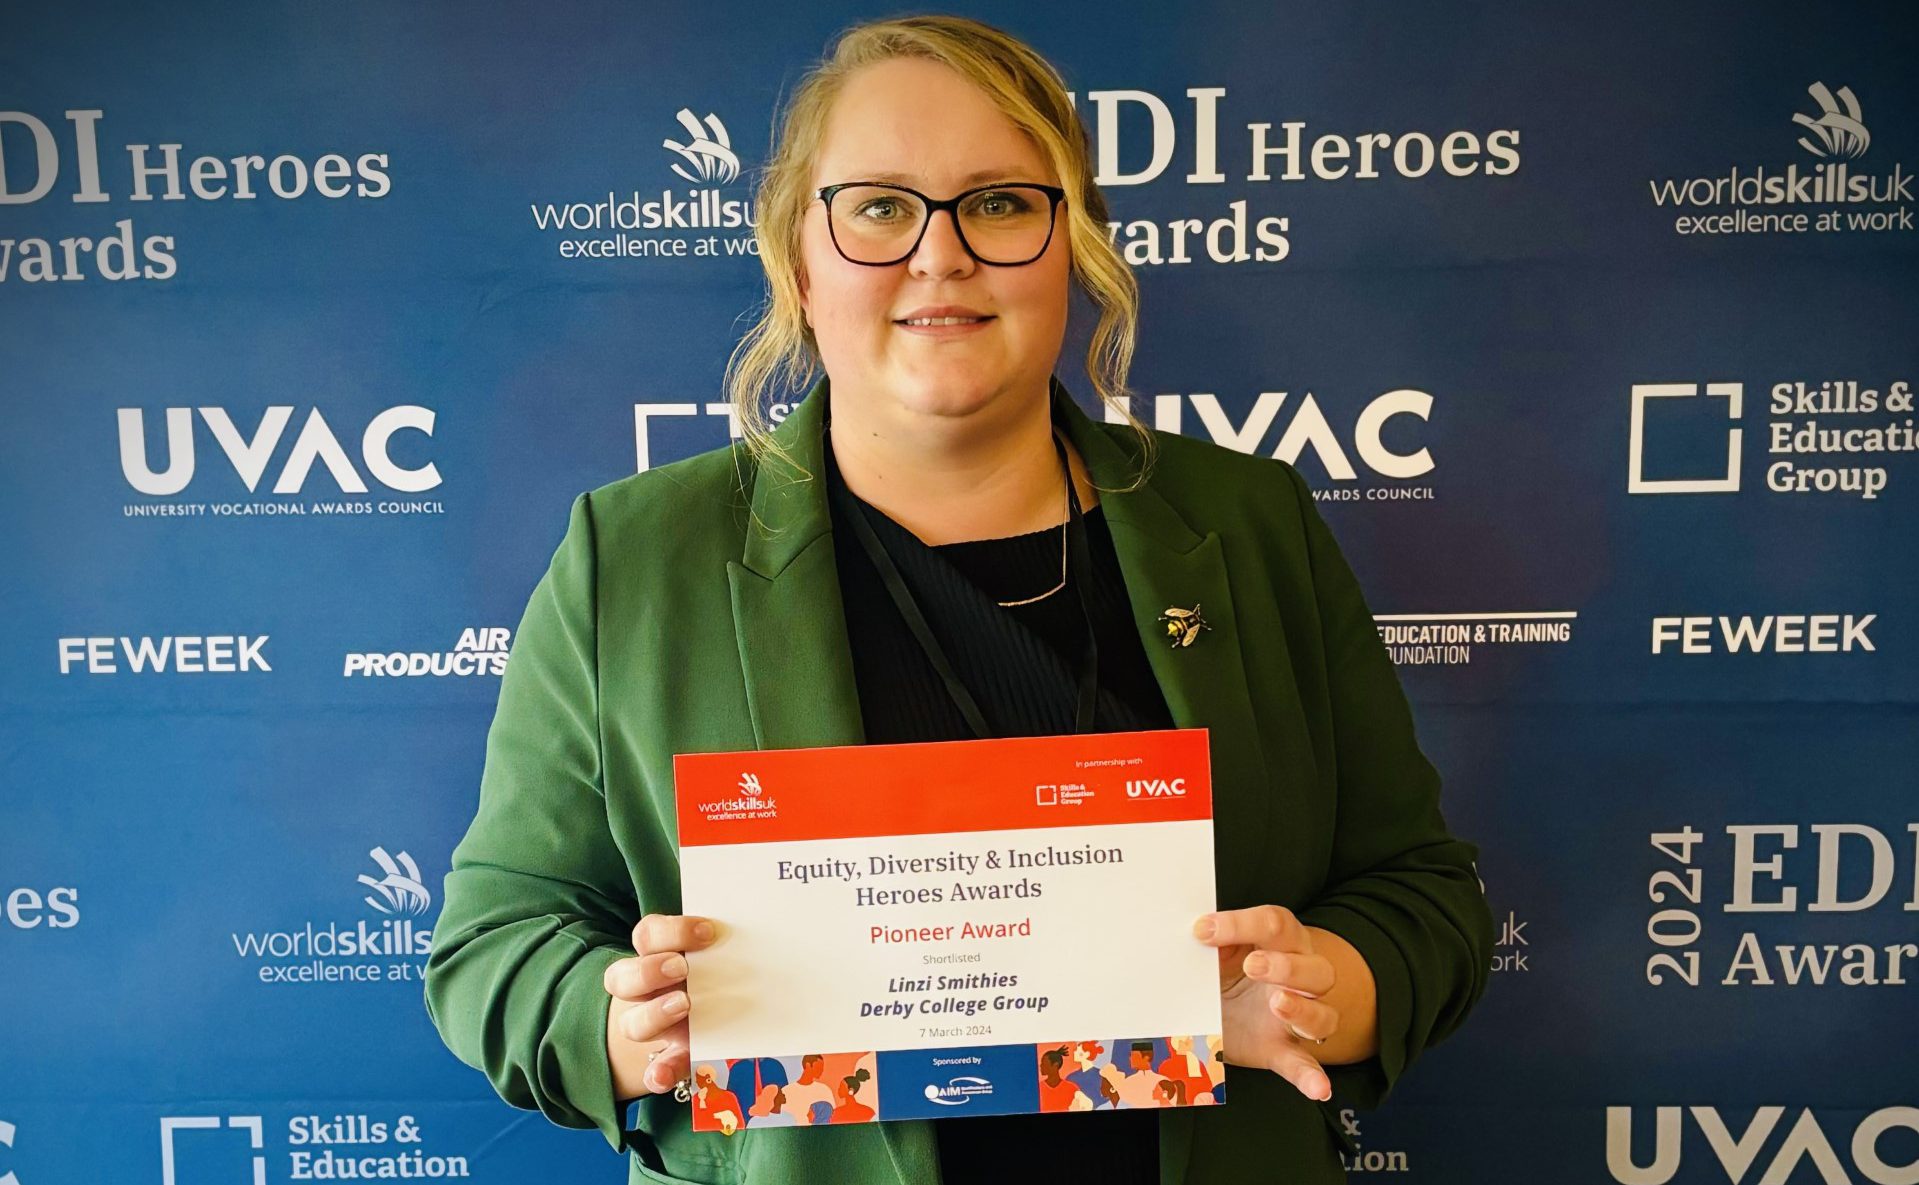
(703, 931)
(656, 1077)
(674, 967)
(1256, 963)
(1204, 929)
(1326, 1091)
(674, 1004)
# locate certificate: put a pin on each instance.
(951, 928)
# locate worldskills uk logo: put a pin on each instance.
(708, 150)
(386, 946)
(661, 223)
(1830, 197)
(750, 803)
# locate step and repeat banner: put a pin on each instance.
(1595, 332)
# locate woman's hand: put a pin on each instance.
(647, 1045)
(1272, 982)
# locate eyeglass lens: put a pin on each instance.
(879, 224)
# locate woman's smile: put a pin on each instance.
(943, 327)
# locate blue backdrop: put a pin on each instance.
(1593, 330)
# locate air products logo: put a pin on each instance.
(481, 650)
(661, 223)
(1830, 197)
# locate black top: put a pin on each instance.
(1019, 663)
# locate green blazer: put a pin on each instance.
(664, 625)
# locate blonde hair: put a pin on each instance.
(780, 351)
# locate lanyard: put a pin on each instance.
(1078, 553)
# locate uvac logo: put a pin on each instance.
(249, 458)
(1155, 788)
(1738, 1154)
(1307, 429)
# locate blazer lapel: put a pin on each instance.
(1168, 563)
(787, 614)
(798, 663)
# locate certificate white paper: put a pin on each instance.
(951, 928)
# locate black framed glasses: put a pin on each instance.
(878, 225)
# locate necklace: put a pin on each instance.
(1062, 548)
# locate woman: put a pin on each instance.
(851, 1110)
(1057, 1092)
(758, 597)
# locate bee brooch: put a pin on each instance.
(1183, 625)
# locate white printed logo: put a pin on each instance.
(1155, 788)
(710, 156)
(213, 654)
(1851, 420)
(1782, 634)
(390, 947)
(26, 909)
(1061, 794)
(1767, 199)
(1512, 935)
(480, 650)
(1839, 133)
(1447, 639)
(401, 890)
(1636, 480)
(684, 224)
(750, 803)
(1134, 125)
(6, 1141)
(1739, 1154)
(955, 1093)
(1363, 1160)
(249, 457)
(120, 254)
(251, 1124)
